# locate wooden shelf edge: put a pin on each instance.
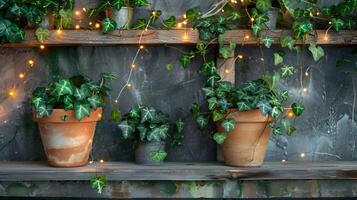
(124, 171)
(175, 36)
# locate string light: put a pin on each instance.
(31, 62)
(153, 13)
(90, 23)
(326, 38)
(77, 26)
(84, 9)
(97, 25)
(290, 114)
(283, 160)
(77, 13)
(304, 89)
(116, 101)
(184, 22)
(247, 37)
(240, 56)
(59, 31)
(329, 22)
(101, 161)
(306, 73)
(302, 155)
(90, 141)
(42, 47)
(242, 1)
(21, 75)
(129, 84)
(91, 162)
(252, 19)
(222, 10)
(226, 71)
(141, 46)
(100, 115)
(179, 25)
(184, 16)
(11, 93)
(318, 13)
(185, 37)
(133, 66)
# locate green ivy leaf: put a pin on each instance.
(115, 116)
(263, 5)
(243, 106)
(170, 22)
(201, 121)
(287, 41)
(94, 101)
(65, 18)
(14, 34)
(195, 110)
(5, 27)
(275, 112)
(81, 93)
(193, 14)
(108, 76)
(81, 110)
(158, 133)
(140, 3)
(278, 59)
(257, 28)
(287, 70)
(284, 95)
(185, 60)
(37, 102)
(209, 91)
(169, 67)
(33, 14)
(62, 87)
(301, 28)
(140, 24)
(126, 129)
(267, 41)
(234, 16)
(219, 137)
(98, 183)
(42, 34)
(212, 80)
(229, 124)
(17, 10)
(337, 24)
(217, 115)
(264, 107)
(147, 114)
(212, 103)
(350, 24)
(316, 51)
(297, 108)
(158, 156)
(44, 110)
(276, 130)
(226, 50)
(108, 25)
(116, 4)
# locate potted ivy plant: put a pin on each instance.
(67, 111)
(245, 116)
(148, 129)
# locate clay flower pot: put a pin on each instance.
(142, 153)
(68, 142)
(246, 144)
(122, 17)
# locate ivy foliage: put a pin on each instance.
(77, 93)
(16, 15)
(98, 183)
(146, 124)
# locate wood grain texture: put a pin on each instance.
(118, 171)
(175, 36)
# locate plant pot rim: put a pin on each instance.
(248, 116)
(57, 116)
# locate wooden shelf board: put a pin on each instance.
(175, 36)
(119, 171)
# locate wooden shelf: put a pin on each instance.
(92, 38)
(120, 171)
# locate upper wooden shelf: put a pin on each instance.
(93, 38)
(119, 171)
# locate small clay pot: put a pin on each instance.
(246, 144)
(122, 17)
(67, 141)
(273, 18)
(142, 153)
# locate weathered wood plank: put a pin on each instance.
(118, 171)
(176, 36)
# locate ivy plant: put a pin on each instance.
(146, 124)
(77, 93)
(98, 183)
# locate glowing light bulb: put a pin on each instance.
(304, 89)
(101, 161)
(184, 16)
(302, 155)
(179, 25)
(129, 84)
(240, 56)
(226, 71)
(90, 141)
(84, 9)
(116, 101)
(90, 23)
(100, 115)
(21, 75)
(184, 22)
(247, 37)
(133, 66)
(290, 114)
(77, 26)
(77, 13)
(222, 10)
(91, 162)
(59, 31)
(42, 47)
(262, 59)
(141, 46)
(252, 19)
(11, 93)
(185, 36)
(242, 1)
(326, 38)
(283, 160)
(318, 13)
(31, 63)
(153, 13)
(329, 22)
(97, 25)
(306, 73)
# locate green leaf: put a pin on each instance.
(169, 67)
(209, 91)
(65, 18)
(158, 133)
(297, 108)
(201, 121)
(287, 70)
(208, 68)
(42, 34)
(291, 129)
(275, 112)
(180, 125)
(140, 24)
(81, 110)
(44, 110)
(140, 3)
(217, 115)
(226, 51)
(62, 87)
(264, 107)
(143, 130)
(81, 93)
(224, 104)
(317, 52)
(98, 183)
(225, 86)
(243, 106)
(115, 116)
(337, 24)
(193, 14)
(287, 41)
(201, 47)
(126, 129)
(257, 28)
(284, 95)
(212, 103)
(37, 102)
(108, 76)
(108, 25)
(350, 24)
(5, 27)
(267, 41)
(229, 124)
(219, 137)
(17, 10)
(276, 130)
(263, 5)
(277, 59)
(170, 22)
(212, 80)
(94, 101)
(301, 28)
(147, 114)
(117, 4)
(234, 16)
(68, 103)
(195, 110)
(14, 34)
(185, 60)
(158, 156)
(33, 14)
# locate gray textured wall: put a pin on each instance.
(325, 127)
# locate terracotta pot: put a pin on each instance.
(246, 144)
(67, 143)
